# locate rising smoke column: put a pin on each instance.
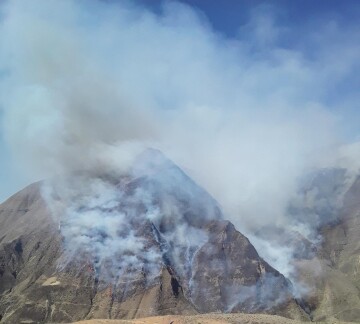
(88, 86)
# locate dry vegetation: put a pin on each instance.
(206, 319)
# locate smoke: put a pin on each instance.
(96, 219)
(126, 226)
(87, 86)
(266, 298)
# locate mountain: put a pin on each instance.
(148, 242)
(334, 271)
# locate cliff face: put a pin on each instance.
(190, 260)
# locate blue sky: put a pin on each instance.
(228, 15)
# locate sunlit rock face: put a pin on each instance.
(145, 242)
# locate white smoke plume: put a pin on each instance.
(128, 225)
(88, 85)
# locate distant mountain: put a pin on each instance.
(149, 242)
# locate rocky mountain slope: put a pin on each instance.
(62, 266)
(152, 242)
(334, 271)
